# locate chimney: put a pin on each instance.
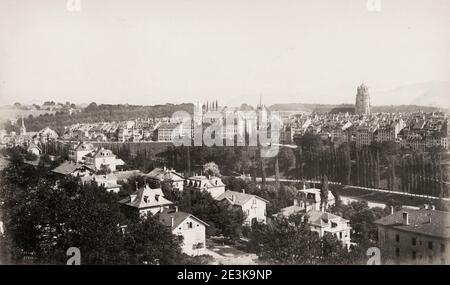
(392, 210)
(232, 198)
(171, 221)
(176, 208)
(405, 216)
(295, 202)
(243, 190)
(433, 207)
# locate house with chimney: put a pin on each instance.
(211, 184)
(254, 207)
(318, 219)
(191, 228)
(159, 175)
(412, 236)
(145, 201)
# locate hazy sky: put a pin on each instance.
(158, 51)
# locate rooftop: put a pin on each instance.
(424, 221)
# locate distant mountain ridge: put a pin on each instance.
(429, 96)
(343, 108)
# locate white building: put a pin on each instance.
(327, 223)
(103, 158)
(309, 199)
(191, 228)
(254, 207)
(78, 152)
(213, 185)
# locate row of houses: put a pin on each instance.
(416, 131)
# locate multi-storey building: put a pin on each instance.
(414, 237)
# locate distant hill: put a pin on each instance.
(344, 108)
(432, 93)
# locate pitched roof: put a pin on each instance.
(290, 210)
(124, 175)
(161, 174)
(146, 198)
(68, 167)
(238, 198)
(320, 218)
(419, 222)
(165, 217)
(207, 182)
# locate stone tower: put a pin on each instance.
(23, 130)
(362, 105)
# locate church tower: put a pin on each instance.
(23, 130)
(362, 105)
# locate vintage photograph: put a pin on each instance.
(224, 132)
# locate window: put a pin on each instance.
(397, 252)
(254, 201)
(413, 255)
(430, 245)
(340, 235)
(413, 241)
(397, 237)
(189, 224)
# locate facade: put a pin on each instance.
(146, 201)
(415, 237)
(320, 221)
(365, 135)
(327, 223)
(103, 158)
(254, 207)
(211, 184)
(78, 152)
(362, 104)
(191, 228)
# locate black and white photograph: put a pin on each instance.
(224, 133)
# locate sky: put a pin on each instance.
(159, 51)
